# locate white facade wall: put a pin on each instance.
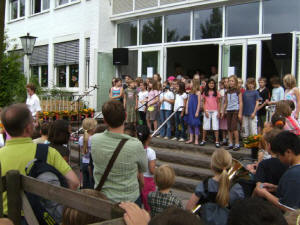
(79, 20)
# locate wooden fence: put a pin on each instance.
(15, 185)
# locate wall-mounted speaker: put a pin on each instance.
(282, 45)
(120, 56)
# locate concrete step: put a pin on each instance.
(208, 149)
(188, 171)
(185, 184)
(195, 159)
(182, 195)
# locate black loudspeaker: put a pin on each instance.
(282, 45)
(120, 56)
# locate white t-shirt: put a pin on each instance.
(86, 157)
(33, 103)
(142, 95)
(179, 101)
(166, 105)
(150, 156)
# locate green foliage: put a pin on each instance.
(12, 79)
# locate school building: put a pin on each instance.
(76, 39)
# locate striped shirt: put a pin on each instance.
(121, 183)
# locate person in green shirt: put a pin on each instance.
(20, 149)
(121, 183)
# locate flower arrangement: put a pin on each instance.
(252, 141)
(65, 114)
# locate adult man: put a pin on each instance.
(20, 149)
(121, 183)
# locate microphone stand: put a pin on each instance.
(80, 97)
(145, 104)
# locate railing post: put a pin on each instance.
(14, 202)
(1, 192)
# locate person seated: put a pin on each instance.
(163, 198)
(134, 215)
(270, 170)
(44, 134)
(219, 184)
(59, 135)
(255, 211)
(284, 108)
(286, 146)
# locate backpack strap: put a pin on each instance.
(41, 152)
(111, 163)
(210, 196)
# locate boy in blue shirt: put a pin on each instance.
(287, 147)
(250, 107)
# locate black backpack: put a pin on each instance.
(47, 212)
(211, 213)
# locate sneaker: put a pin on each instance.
(202, 143)
(166, 138)
(158, 136)
(181, 140)
(217, 145)
(236, 148)
(229, 147)
(174, 139)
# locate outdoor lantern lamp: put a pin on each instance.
(28, 43)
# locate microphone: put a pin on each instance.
(95, 86)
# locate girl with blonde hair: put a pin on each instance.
(89, 125)
(292, 93)
(218, 185)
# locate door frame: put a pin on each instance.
(161, 59)
(244, 43)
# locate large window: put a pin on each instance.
(127, 34)
(281, 16)
(208, 23)
(39, 5)
(17, 9)
(67, 76)
(151, 31)
(242, 19)
(177, 27)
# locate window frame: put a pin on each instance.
(70, 2)
(18, 10)
(67, 77)
(40, 74)
(32, 4)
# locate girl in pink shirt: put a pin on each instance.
(211, 112)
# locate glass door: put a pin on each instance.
(241, 59)
(232, 60)
(150, 62)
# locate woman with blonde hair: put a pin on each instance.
(217, 186)
(89, 125)
(292, 93)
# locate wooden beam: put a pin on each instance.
(28, 212)
(14, 202)
(73, 199)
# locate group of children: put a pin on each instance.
(201, 106)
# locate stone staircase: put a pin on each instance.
(190, 162)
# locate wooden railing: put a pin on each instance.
(15, 185)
